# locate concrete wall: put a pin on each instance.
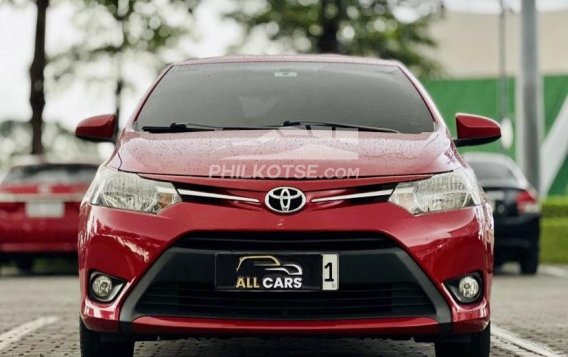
(468, 43)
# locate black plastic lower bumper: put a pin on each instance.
(376, 279)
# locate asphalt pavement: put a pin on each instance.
(39, 317)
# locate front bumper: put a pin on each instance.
(374, 283)
(433, 247)
(172, 327)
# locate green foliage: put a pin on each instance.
(554, 240)
(555, 207)
(554, 230)
(357, 27)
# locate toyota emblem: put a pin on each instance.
(285, 200)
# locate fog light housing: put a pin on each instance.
(104, 288)
(466, 289)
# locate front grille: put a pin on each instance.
(350, 301)
(272, 241)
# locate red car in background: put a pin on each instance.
(39, 209)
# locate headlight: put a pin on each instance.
(128, 191)
(441, 192)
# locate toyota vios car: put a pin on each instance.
(309, 195)
(39, 210)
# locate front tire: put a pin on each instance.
(478, 345)
(92, 345)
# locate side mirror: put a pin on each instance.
(99, 128)
(475, 130)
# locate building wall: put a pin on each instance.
(468, 44)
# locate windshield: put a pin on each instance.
(268, 94)
(52, 174)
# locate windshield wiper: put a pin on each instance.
(191, 127)
(179, 128)
(308, 124)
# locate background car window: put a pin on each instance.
(259, 94)
(486, 170)
(55, 174)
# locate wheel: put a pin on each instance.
(477, 345)
(92, 345)
(25, 265)
(529, 263)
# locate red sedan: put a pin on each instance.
(308, 195)
(39, 210)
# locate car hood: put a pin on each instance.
(286, 153)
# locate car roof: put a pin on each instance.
(55, 164)
(323, 58)
(489, 157)
(36, 160)
(497, 158)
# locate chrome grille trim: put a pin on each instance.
(193, 193)
(355, 196)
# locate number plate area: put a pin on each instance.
(276, 272)
(45, 209)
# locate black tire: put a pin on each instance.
(529, 263)
(93, 346)
(25, 265)
(477, 345)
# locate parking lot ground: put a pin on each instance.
(39, 317)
